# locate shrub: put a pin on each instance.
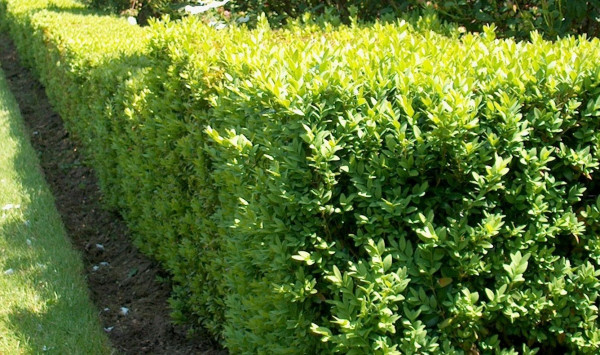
(143, 10)
(280, 11)
(552, 18)
(512, 18)
(352, 189)
(517, 18)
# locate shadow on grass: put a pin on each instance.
(53, 311)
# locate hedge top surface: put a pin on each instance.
(367, 56)
(91, 36)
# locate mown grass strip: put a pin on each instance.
(44, 304)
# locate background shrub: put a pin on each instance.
(143, 10)
(512, 18)
(517, 18)
(281, 11)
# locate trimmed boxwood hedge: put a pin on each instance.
(352, 189)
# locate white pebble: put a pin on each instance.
(9, 272)
(124, 311)
(10, 206)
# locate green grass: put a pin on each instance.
(44, 302)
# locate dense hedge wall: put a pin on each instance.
(360, 190)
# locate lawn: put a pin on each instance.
(44, 301)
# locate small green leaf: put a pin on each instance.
(387, 262)
(381, 246)
(490, 294)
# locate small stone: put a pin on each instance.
(124, 311)
(9, 272)
(108, 329)
(100, 247)
(10, 206)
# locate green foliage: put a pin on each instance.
(351, 189)
(115, 5)
(512, 18)
(552, 18)
(142, 9)
(518, 18)
(341, 10)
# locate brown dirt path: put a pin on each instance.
(117, 274)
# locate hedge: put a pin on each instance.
(352, 189)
